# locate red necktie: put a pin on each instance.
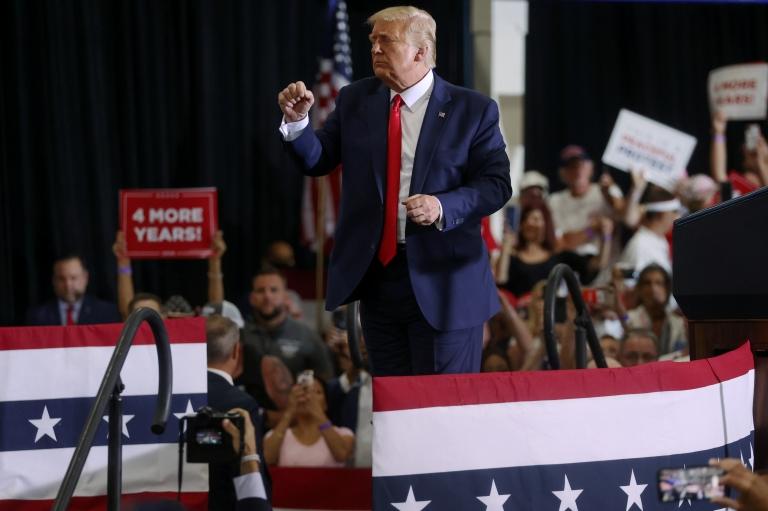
(70, 315)
(388, 245)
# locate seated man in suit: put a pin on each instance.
(225, 362)
(71, 305)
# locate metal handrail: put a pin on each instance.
(353, 334)
(585, 330)
(109, 393)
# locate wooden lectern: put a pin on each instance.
(721, 284)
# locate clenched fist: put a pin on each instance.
(295, 101)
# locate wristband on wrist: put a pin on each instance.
(124, 270)
(250, 457)
(718, 137)
(325, 425)
(589, 232)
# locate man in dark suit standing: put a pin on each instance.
(423, 162)
(72, 306)
(225, 362)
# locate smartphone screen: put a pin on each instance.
(694, 483)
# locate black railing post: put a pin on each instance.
(115, 448)
(585, 331)
(108, 388)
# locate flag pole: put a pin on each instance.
(320, 254)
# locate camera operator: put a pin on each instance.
(249, 485)
(225, 362)
(752, 488)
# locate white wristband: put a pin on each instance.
(250, 457)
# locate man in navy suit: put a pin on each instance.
(225, 362)
(72, 306)
(423, 162)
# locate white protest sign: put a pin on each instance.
(642, 143)
(740, 92)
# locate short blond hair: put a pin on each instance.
(420, 28)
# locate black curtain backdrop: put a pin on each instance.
(586, 60)
(96, 96)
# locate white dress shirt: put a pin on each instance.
(75, 311)
(415, 100)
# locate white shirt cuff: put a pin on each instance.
(292, 130)
(250, 486)
(440, 222)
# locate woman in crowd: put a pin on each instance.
(536, 254)
(305, 436)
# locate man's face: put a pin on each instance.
(638, 350)
(69, 280)
(392, 56)
(268, 296)
(577, 175)
(652, 290)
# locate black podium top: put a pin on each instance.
(721, 260)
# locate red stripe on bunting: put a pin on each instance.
(187, 330)
(406, 393)
(193, 501)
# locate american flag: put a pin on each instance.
(591, 439)
(49, 377)
(335, 71)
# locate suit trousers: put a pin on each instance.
(399, 339)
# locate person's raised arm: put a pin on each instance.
(611, 196)
(518, 328)
(718, 153)
(125, 290)
(634, 212)
(341, 446)
(603, 259)
(249, 485)
(274, 439)
(215, 276)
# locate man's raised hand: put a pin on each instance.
(295, 101)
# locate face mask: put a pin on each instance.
(610, 327)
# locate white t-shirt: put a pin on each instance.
(646, 247)
(571, 213)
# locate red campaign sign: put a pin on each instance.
(169, 223)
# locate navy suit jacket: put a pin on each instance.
(223, 397)
(460, 158)
(92, 312)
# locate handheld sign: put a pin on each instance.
(168, 223)
(740, 91)
(642, 143)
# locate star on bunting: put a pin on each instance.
(568, 497)
(411, 504)
(634, 491)
(494, 501)
(126, 420)
(45, 425)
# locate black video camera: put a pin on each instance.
(207, 441)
